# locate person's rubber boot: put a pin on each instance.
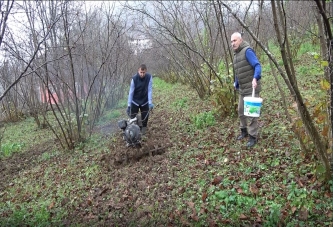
(143, 130)
(252, 141)
(243, 134)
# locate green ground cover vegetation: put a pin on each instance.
(213, 180)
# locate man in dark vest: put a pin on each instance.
(247, 71)
(140, 96)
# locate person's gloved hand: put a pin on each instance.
(151, 106)
(128, 111)
(236, 84)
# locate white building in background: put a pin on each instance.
(140, 44)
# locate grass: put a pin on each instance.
(269, 158)
(212, 179)
(22, 136)
(113, 113)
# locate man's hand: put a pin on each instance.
(236, 85)
(128, 111)
(151, 106)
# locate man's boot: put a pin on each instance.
(252, 141)
(143, 130)
(243, 134)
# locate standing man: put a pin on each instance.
(247, 71)
(140, 96)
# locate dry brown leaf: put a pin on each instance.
(259, 220)
(51, 206)
(242, 217)
(293, 209)
(212, 224)
(300, 183)
(328, 195)
(303, 214)
(195, 217)
(254, 189)
(204, 197)
(89, 202)
(240, 191)
(203, 211)
(217, 180)
(254, 210)
(190, 204)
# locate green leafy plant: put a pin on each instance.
(90, 171)
(27, 214)
(8, 149)
(274, 214)
(203, 120)
(223, 96)
(232, 202)
(298, 196)
(181, 103)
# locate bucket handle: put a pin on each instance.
(253, 89)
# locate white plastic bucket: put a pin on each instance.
(252, 106)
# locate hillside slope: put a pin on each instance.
(183, 175)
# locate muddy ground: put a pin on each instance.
(140, 179)
(137, 188)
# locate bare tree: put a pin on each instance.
(22, 56)
(74, 64)
(5, 7)
(188, 35)
(90, 81)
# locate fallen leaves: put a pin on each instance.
(303, 214)
(193, 215)
(147, 188)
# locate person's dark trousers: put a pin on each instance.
(144, 113)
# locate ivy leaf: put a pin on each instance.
(325, 85)
(320, 169)
(324, 63)
(315, 56)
